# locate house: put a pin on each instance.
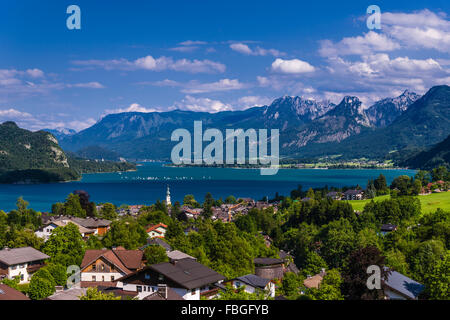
(254, 284)
(186, 277)
(21, 262)
(73, 293)
(353, 195)
(86, 226)
(101, 226)
(178, 255)
(400, 287)
(46, 231)
(164, 293)
(102, 267)
(157, 230)
(8, 293)
(334, 195)
(269, 268)
(314, 281)
(386, 228)
(192, 213)
(157, 242)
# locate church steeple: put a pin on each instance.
(168, 202)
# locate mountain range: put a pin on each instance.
(308, 128)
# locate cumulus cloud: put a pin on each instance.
(42, 121)
(294, 66)
(89, 85)
(253, 101)
(369, 43)
(134, 107)
(193, 87)
(258, 51)
(201, 105)
(151, 64)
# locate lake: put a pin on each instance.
(149, 183)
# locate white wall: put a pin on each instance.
(19, 270)
(87, 276)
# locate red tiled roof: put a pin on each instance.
(122, 259)
(151, 228)
(8, 293)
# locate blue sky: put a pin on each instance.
(210, 55)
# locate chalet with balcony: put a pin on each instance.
(103, 267)
(21, 262)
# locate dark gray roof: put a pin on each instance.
(351, 192)
(171, 295)
(254, 281)
(21, 255)
(178, 255)
(404, 285)
(388, 227)
(188, 273)
(160, 242)
(267, 261)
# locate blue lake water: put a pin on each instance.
(149, 182)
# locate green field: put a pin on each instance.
(429, 202)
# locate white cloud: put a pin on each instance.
(37, 122)
(294, 66)
(89, 85)
(369, 43)
(35, 73)
(258, 51)
(253, 101)
(134, 107)
(193, 86)
(152, 64)
(192, 43)
(201, 104)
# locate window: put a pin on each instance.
(103, 278)
(94, 267)
(21, 277)
(147, 276)
(139, 288)
(94, 278)
(193, 291)
(161, 277)
(145, 289)
(112, 278)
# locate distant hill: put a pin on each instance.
(438, 155)
(306, 126)
(97, 152)
(28, 157)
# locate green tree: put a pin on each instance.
(314, 264)
(65, 246)
(58, 272)
(155, 254)
(127, 233)
(230, 199)
(72, 207)
(94, 294)
(108, 211)
(437, 281)
(291, 284)
(42, 285)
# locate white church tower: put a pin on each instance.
(168, 202)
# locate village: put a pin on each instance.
(121, 273)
